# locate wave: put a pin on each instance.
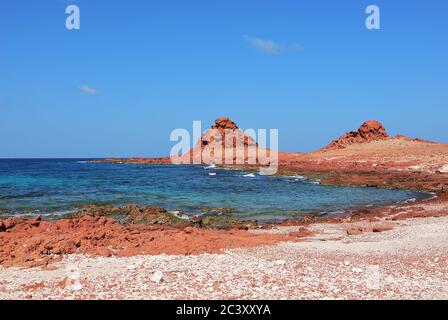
(179, 214)
(212, 173)
(334, 212)
(296, 177)
(433, 195)
(250, 175)
(212, 166)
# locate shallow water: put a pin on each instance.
(48, 186)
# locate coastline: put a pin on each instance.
(400, 246)
(398, 254)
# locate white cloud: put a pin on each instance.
(87, 90)
(270, 46)
(263, 45)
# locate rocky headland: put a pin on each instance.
(367, 156)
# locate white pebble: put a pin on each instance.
(76, 287)
(280, 262)
(157, 277)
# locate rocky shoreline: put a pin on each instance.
(393, 253)
(366, 157)
(132, 230)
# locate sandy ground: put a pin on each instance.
(398, 153)
(408, 262)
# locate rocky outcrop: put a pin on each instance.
(225, 138)
(11, 223)
(132, 214)
(98, 211)
(35, 242)
(225, 222)
(224, 123)
(371, 130)
(221, 130)
(153, 216)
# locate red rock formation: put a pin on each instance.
(224, 127)
(224, 137)
(371, 130)
(224, 123)
(35, 242)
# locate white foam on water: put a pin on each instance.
(250, 175)
(410, 200)
(212, 173)
(212, 166)
(179, 214)
(336, 212)
(296, 176)
(433, 195)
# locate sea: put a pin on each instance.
(55, 187)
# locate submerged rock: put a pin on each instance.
(152, 215)
(218, 210)
(196, 220)
(225, 222)
(132, 214)
(97, 211)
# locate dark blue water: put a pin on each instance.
(49, 186)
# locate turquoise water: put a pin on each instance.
(55, 186)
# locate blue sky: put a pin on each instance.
(138, 69)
